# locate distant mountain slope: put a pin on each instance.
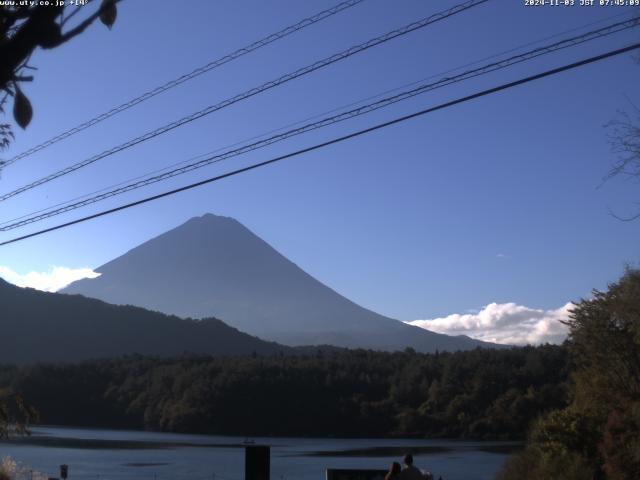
(39, 326)
(214, 266)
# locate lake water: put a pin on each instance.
(115, 454)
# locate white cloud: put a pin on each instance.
(52, 281)
(504, 323)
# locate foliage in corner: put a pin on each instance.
(15, 414)
(11, 469)
(26, 26)
(598, 435)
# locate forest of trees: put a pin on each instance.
(482, 393)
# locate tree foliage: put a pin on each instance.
(598, 434)
(482, 393)
(15, 414)
(26, 26)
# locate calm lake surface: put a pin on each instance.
(116, 454)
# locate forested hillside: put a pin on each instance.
(482, 393)
(39, 326)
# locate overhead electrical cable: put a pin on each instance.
(285, 32)
(319, 115)
(336, 140)
(254, 91)
(385, 102)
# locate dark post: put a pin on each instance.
(257, 462)
(64, 471)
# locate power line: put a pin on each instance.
(343, 138)
(364, 109)
(254, 91)
(476, 62)
(285, 32)
(318, 115)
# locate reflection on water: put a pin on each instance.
(115, 454)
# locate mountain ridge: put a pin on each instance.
(53, 327)
(215, 266)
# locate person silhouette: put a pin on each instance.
(409, 472)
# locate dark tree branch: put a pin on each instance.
(23, 29)
(624, 219)
(70, 16)
(82, 26)
(624, 140)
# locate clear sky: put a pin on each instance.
(497, 200)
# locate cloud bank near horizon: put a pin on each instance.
(506, 323)
(52, 281)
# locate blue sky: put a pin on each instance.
(496, 200)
